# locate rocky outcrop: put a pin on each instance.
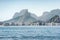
(55, 19)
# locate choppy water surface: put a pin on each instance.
(29, 33)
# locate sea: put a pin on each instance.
(29, 32)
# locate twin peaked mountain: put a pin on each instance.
(26, 17)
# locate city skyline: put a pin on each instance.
(9, 7)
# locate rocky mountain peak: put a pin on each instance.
(22, 12)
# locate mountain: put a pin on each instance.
(55, 19)
(24, 11)
(26, 17)
(48, 15)
(23, 16)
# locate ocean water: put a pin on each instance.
(29, 33)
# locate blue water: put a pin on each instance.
(29, 33)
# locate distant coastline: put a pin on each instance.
(25, 18)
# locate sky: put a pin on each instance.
(9, 7)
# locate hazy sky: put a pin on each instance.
(9, 7)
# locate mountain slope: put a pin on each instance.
(48, 15)
(55, 19)
(23, 16)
